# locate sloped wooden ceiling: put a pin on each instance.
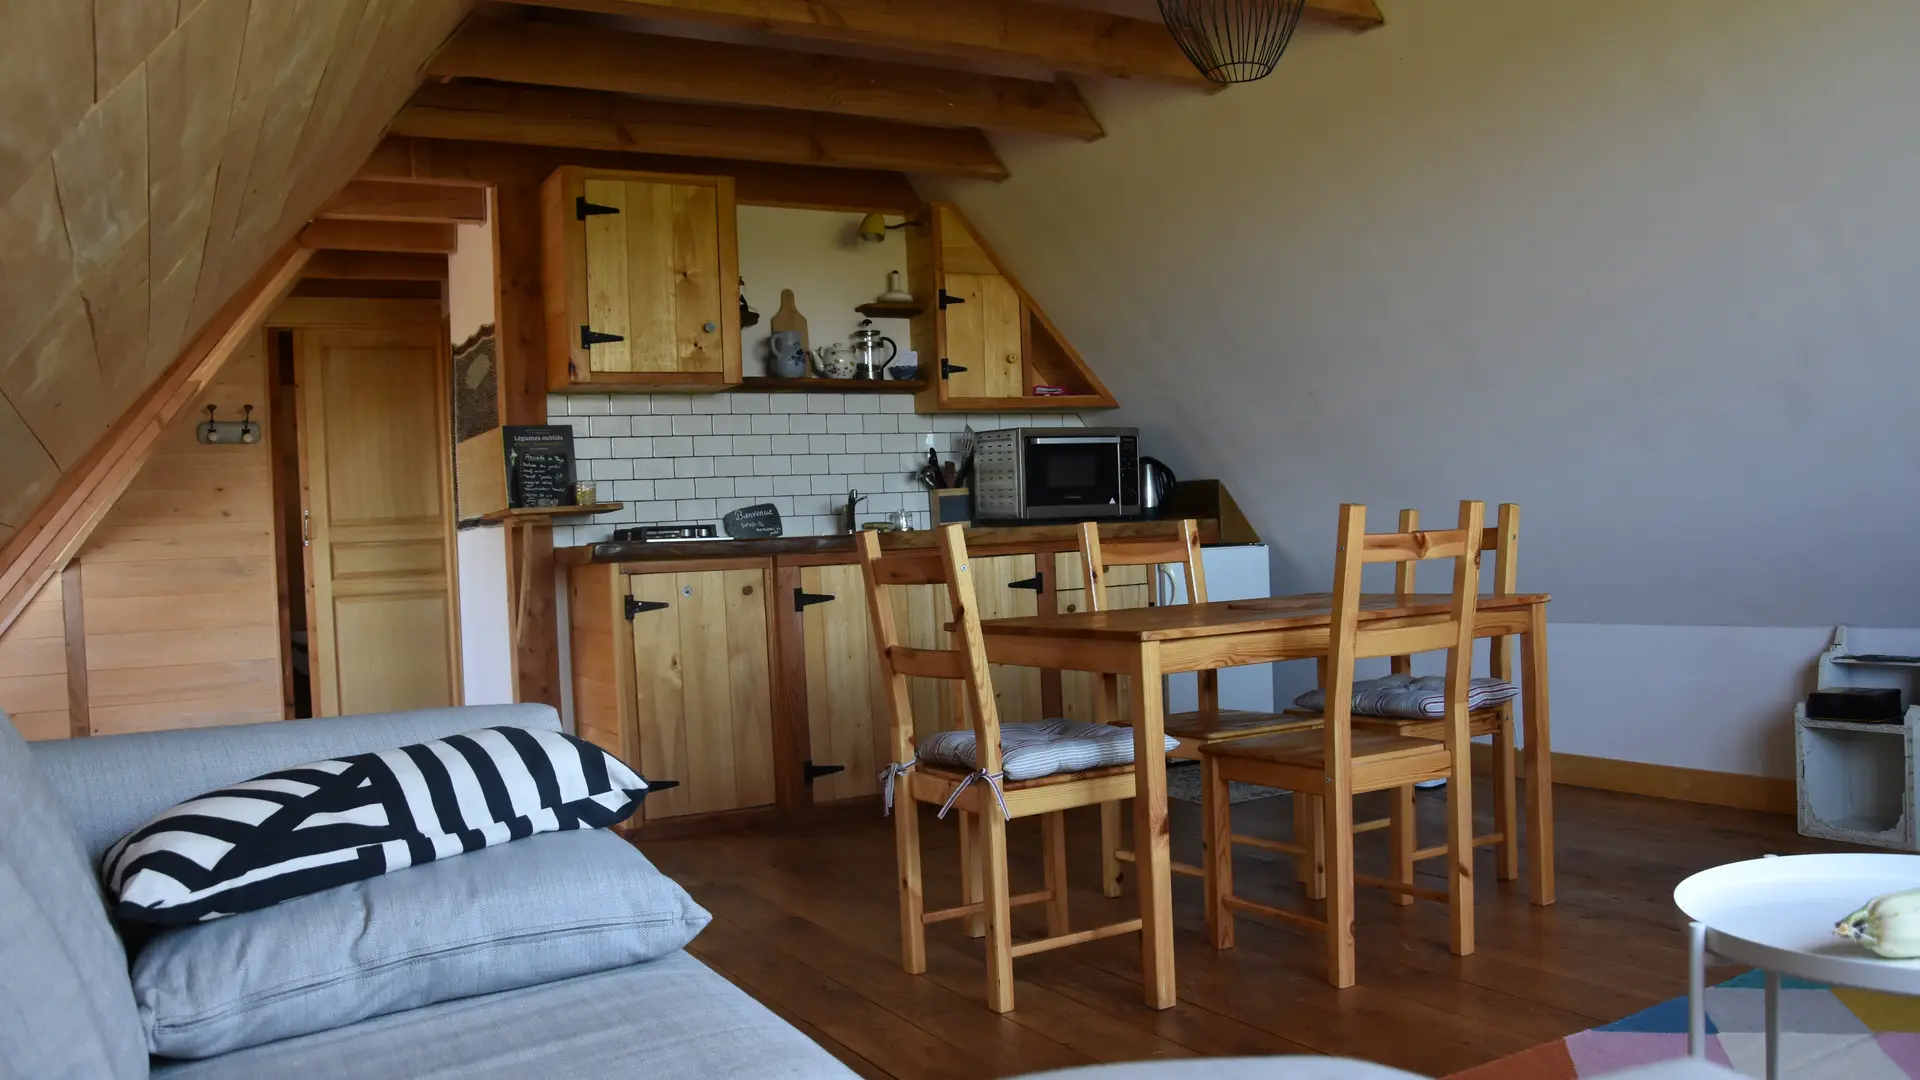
(154, 154)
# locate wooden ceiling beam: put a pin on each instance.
(1062, 38)
(590, 120)
(374, 200)
(684, 69)
(755, 183)
(417, 237)
(375, 266)
(62, 524)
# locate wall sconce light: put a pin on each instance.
(874, 228)
(224, 432)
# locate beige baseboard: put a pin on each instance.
(1771, 794)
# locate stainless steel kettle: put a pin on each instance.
(1156, 483)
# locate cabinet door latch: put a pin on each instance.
(635, 607)
(947, 299)
(1036, 583)
(582, 209)
(814, 772)
(589, 337)
(948, 368)
(803, 599)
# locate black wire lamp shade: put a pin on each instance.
(1232, 41)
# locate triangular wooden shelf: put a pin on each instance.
(947, 244)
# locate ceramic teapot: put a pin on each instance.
(834, 361)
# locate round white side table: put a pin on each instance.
(1777, 914)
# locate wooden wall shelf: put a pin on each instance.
(535, 515)
(767, 384)
(880, 310)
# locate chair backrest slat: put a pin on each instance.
(1171, 542)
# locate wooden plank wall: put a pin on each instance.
(179, 614)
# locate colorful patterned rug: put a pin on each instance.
(1826, 1032)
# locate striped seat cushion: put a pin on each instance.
(1044, 748)
(301, 830)
(1413, 698)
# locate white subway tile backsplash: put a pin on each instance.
(673, 446)
(653, 512)
(693, 425)
(610, 469)
(848, 424)
(880, 423)
(830, 484)
(825, 403)
(711, 403)
(631, 447)
(842, 463)
(901, 444)
(652, 468)
(695, 509)
(896, 403)
(863, 403)
(588, 405)
(792, 485)
(693, 466)
(556, 406)
(651, 425)
(768, 424)
(633, 491)
(673, 489)
(884, 463)
(863, 444)
(712, 445)
(742, 401)
(733, 466)
(592, 448)
(711, 487)
(827, 444)
(753, 486)
(752, 444)
(806, 423)
(609, 425)
(672, 403)
(773, 466)
(790, 444)
(729, 424)
(914, 423)
(633, 404)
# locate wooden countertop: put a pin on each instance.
(985, 540)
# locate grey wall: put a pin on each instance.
(1649, 268)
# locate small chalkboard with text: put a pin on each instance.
(758, 522)
(539, 465)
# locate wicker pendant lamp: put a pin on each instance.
(1232, 41)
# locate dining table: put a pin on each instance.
(1145, 644)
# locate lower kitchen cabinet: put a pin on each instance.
(846, 710)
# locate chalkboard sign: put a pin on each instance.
(753, 522)
(539, 465)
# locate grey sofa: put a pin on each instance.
(67, 1009)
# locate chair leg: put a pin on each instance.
(1314, 862)
(1336, 819)
(1053, 835)
(1303, 831)
(993, 870)
(906, 843)
(1110, 813)
(1402, 838)
(970, 874)
(1460, 851)
(1217, 833)
(1506, 802)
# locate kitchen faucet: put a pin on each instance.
(854, 499)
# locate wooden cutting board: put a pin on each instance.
(789, 318)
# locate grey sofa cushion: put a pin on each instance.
(671, 1019)
(66, 1009)
(110, 785)
(548, 907)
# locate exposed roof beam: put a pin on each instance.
(372, 200)
(375, 266)
(55, 533)
(683, 69)
(427, 238)
(545, 116)
(1064, 38)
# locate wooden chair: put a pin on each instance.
(992, 801)
(1178, 542)
(1338, 761)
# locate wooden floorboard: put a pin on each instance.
(806, 920)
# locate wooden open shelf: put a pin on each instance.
(880, 310)
(768, 384)
(1010, 404)
(536, 514)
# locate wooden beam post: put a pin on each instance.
(55, 532)
(685, 69)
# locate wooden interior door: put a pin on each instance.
(654, 276)
(703, 693)
(377, 493)
(983, 336)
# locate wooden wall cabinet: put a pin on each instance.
(641, 279)
(980, 334)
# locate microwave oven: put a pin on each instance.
(1056, 474)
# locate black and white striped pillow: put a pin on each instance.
(298, 831)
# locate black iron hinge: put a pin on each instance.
(814, 772)
(582, 209)
(803, 599)
(589, 337)
(635, 607)
(948, 368)
(1037, 583)
(947, 299)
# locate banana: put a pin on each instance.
(1889, 925)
